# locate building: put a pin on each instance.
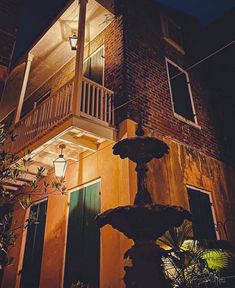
(219, 73)
(128, 63)
(8, 25)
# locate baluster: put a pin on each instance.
(71, 97)
(54, 109)
(102, 105)
(62, 103)
(93, 101)
(50, 112)
(57, 99)
(38, 121)
(84, 96)
(34, 122)
(65, 100)
(43, 115)
(44, 105)
(66, 110)
(109, 107)
(105, 106)
(88, 98)
(97, 102)
(112, 107)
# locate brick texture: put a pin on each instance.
(146, 82)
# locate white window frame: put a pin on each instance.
(212, 207)
(176, 115)
(165, 30)
(93, 53)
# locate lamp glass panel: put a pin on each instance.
(60, 166)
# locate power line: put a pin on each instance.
(180, 73)
(160, 85)
(131, 100)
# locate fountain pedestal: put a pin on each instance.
(146, 269)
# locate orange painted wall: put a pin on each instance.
(167, 180)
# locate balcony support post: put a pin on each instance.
(76, 101)
(23, 88)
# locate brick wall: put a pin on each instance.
(146, 78)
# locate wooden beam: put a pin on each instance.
(76, 101)
(84, 143)
(71, 154)
(27, 177)
(11, 188)
(23, 88)
(15, 183)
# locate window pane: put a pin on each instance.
(97, 66)
(86, 68)
(175, 32)
(180, 93)
(200, 206)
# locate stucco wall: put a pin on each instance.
(167, 180)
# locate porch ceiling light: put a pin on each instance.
(73, 41)
(60, 163)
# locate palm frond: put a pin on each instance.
(175, 237)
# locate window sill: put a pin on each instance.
(189, 122)
(174, 44)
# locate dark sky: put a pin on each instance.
(37, 14)
(205, 10)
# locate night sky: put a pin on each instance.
(37, 14)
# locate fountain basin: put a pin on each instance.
(143, 223)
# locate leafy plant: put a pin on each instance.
(187, 263)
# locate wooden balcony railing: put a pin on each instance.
(96, 104)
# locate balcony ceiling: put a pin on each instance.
(52, 51)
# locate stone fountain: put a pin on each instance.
(143, 222)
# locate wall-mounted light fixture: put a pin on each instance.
(73, 41)
(60, 163)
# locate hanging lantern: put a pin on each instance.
(60, 163)
(73, 41)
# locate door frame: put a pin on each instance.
(92, 54)
(69, 192)
(209, 193)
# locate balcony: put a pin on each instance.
(97, 106)
(80, 106)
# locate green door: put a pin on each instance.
(31, 270)
(82, 261)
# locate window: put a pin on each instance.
(203, 215)
(30, 273)
(82, 261)
(42, 98)
(93, 67)
(180, 92)
(172, 33)
(31, 103)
